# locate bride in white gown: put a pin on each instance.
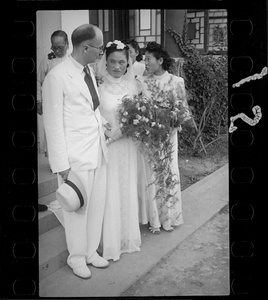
(121, 233)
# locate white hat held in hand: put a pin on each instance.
(71, 194)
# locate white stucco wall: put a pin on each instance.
(46, 23)
(49, 21)
(71, 19)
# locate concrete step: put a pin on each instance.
(52, 251)
(200, 202)
(46, 199)
(47, 187)
(47, 221)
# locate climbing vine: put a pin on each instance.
(206, 83)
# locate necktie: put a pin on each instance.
(91, 88)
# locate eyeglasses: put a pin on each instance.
(59, 48)
(99, 48)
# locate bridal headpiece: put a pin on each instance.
(119, 45)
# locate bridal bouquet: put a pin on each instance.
(151, 121)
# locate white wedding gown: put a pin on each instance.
(121, 233)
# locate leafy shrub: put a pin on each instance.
(206, 82)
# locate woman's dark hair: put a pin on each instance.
(159, 51)
(113, 47)
(60, 33)
(135, 45)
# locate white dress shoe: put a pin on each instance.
(99, 262)
(82, 272)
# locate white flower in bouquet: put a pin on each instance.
(143, 108)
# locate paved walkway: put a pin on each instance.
(201, 202)
(199, 266)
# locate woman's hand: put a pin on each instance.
(99, 79)
(113, 134)
(108, 126)
(190, 124)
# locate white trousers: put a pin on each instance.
(83, 228)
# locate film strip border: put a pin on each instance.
(247, 43)
(247, 47)
(19, 213)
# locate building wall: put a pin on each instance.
(207, 29)
(71, 19)
(197, 28)
(174, 18)
(46, 23)
(50, 21)
(217, 29)
(145, 26)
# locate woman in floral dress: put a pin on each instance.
(159, 212)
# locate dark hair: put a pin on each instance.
(113, 47)
(83, 33)
(135, 45)
(60, 33)
(159, 51)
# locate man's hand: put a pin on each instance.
(64, 174)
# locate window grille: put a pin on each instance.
(145, 26)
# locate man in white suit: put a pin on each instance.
(76, 142)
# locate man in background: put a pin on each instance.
(59, 47)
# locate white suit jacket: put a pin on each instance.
(73, 129)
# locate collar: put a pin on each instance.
(113, 79)
(77, 64)
(52, 56)
(161, 76)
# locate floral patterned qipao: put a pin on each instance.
(156, 211)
